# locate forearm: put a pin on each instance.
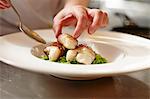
(77, 2)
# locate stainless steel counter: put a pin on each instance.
(20, 84)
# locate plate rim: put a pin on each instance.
(122, 72)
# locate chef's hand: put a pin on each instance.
(82, 18)
(4, 4)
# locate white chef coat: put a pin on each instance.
(34, 13)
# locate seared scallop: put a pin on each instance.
(88, 51)
(86, 55)
(67, 41)
(71, 55)
(54, 51)
(84, 58)
(81, 54)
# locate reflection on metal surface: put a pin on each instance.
(18, 84)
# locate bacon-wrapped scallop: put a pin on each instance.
(67, 41)
(54, 51)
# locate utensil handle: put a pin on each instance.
(15, 10)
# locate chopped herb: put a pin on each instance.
(74, 62)
(44, 57)
(99, 60)
(62, 59)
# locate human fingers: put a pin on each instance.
(105, 20)
(82, 21)
(59, 22)
(99, 20)
(4, 4)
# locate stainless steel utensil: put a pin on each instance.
(26, 29)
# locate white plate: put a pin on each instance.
(125, 53)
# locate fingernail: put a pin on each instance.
(91, 31)
(57, 34)
(76, 36)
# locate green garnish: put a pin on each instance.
(44, 57)
(63, 60)
(74, 62)
(99, 60)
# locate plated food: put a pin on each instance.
(67, 50)
(115, 47)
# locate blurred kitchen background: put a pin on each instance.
(129, 16)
